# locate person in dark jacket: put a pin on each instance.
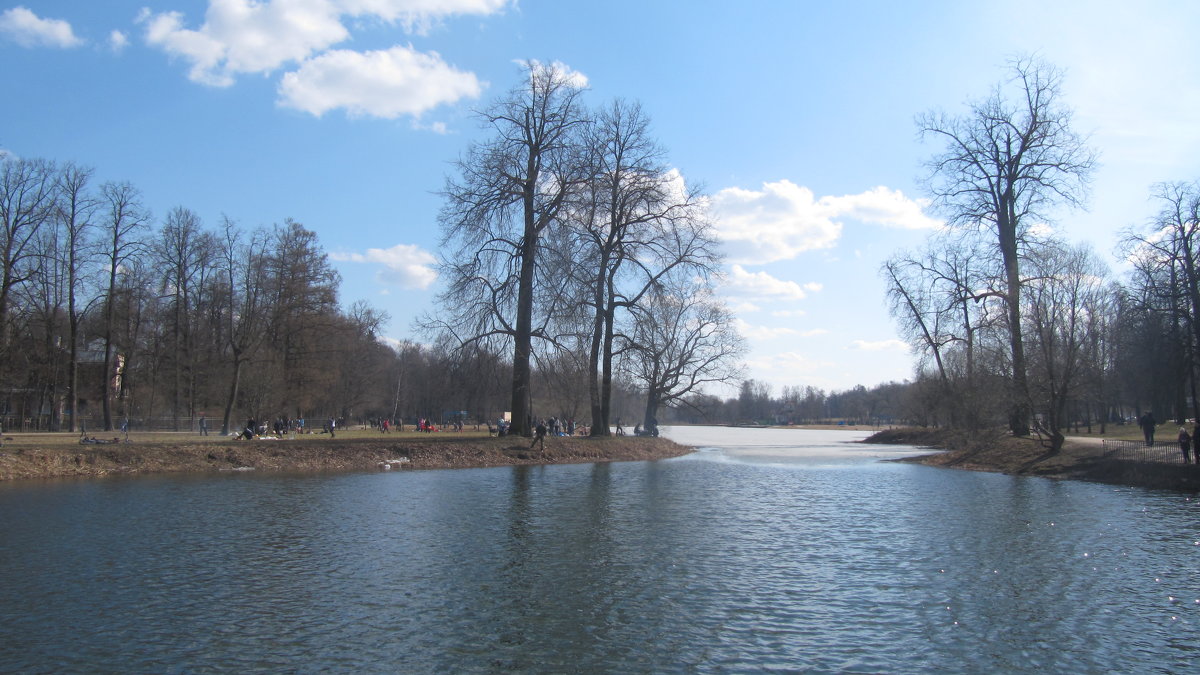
(1147, 423)
(539, 437)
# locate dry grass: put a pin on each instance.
(56, 455)
(998, 452)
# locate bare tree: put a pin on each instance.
(1165, 292)
(77, 208)
(1005, 164)
(243, 266)
(1067, 290)
(943, 301)
(682, 340)
(638, 223)
(510, 189)
(28, 194)
(124, 219)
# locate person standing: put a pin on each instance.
(1147, 423)
(539, 437)
(1185, 444)
(1196, 442)
(332, 424)
(203, 425)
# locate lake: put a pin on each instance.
(764, 550)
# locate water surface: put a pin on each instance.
(763, 550)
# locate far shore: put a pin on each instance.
(30, 456)
(1081, 458)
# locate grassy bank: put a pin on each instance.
(57, 455)
(1081, 458)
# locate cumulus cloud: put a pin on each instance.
(388, 84)
(783, 220)
(29, 30)
(880, 346)
(117, 41)
(763, 285)
(261, 36)
(404, 265)
(242, 36)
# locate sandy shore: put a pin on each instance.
(1079, 459)
(48, 460)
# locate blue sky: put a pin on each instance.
(796, 117)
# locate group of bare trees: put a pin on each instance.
(569, 239)
(106, 314)
(1015, 324)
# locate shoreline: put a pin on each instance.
(307, 455)
(1079, 459)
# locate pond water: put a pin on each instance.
(764, 550)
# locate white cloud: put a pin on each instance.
(242, 36)
(881, 206)
(569, 74)
(261, 36)
(388, 84)
(784, 220)
(405, 265)
(744, 307)
(880, 346)
(763, 285)
(762, 332)
(754, 332)
(418, 16)
(29, 30)
(117, 41)
(788, 313)
(790, 367)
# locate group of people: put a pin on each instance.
(282, 426)
(1189, 444)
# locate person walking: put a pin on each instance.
(332, 424)
(1147, 423)
(203, 425)
(1185, 444)
(539, 437)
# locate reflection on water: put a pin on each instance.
(767, 550)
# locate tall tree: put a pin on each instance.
(124, 219)
(180, 251)
(1005, 164)
(28, 200)
(638, 223)
(510, 189)
(1067, 288)
(244, 268)
(77, 207)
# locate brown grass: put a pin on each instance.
(999, 452)
(57, 455)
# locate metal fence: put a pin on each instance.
(1162, 452)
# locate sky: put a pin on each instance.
(796, 118)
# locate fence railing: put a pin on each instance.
(1164, 452)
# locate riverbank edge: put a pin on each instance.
(998, 452)
(326, 455)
